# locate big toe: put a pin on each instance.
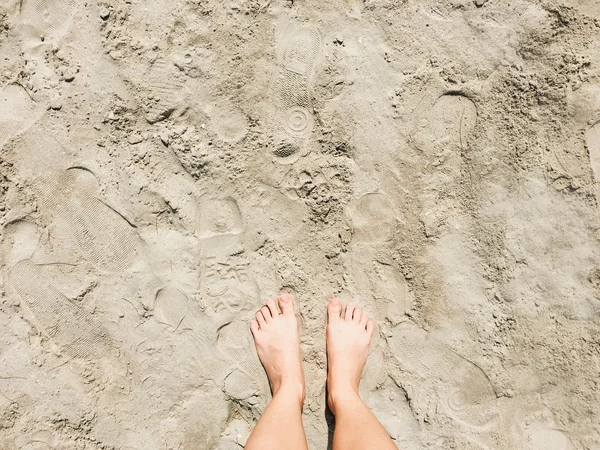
(286, 304)
(334, 309)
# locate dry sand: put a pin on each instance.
(166, 166)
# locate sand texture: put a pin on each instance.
(168, 165)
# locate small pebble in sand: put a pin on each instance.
(56, 103)
(164, 137)
(69, 74)
(104, 13)
(135, 138)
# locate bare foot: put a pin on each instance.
(348, 340)
(278, 344)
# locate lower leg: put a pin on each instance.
(278, 345)
(280, 426)
(356, 428)
(348, 340)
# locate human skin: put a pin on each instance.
(277, 340)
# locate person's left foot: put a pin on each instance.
(277, 341)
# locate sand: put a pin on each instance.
(166, 166)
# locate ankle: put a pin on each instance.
(293, 390)
(339, 396)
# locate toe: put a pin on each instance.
(260, 319)
(349, 311)
(363, 320)
(266, 312)
(370, 328)
(334, 309)
(357, 315)
(273, 308)
(286, 304)
(254, 327)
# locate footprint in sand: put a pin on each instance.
(174, 309)
(46, 19)
(219, 217)
(165, 83)
(373, 219)
(18, 112)
(182, 315)
(446, 126)
(104, 237)
(73, 328)
(170, 93)
(528, 425)
(539, 435)
(290, 114)
(196, 428)
(227, 284)
(227, 120)
(588, 7)
(236, 367)
(442, 134)
(230, 295)
(462, 389)
(246, 382)
(376, 279)
(593, 145)
(395, 414)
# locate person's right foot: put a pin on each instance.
(348, 340)
(278, 345)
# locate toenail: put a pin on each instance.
(336, 301)
(285, 298)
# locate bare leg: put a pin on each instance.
(348, 340)
(278, 344)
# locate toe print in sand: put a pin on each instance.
(290, 115)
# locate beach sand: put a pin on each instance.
(167, 166)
